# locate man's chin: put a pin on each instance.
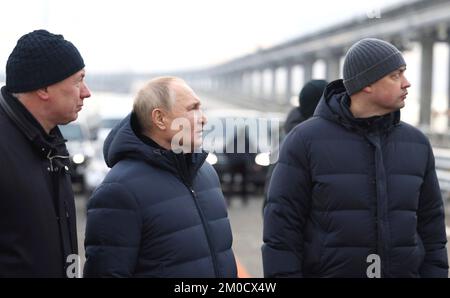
(67, 121)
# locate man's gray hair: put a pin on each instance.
(157, 93)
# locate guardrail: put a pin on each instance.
(442, 162)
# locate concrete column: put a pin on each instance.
(426, 81)
(227, 83)
(261, 94)
(253, 80)
(273, 89)
(223, 84)
(332, 68)
(288, 89)
(235, 80)
(448, 88)
(215, 84)
(307, 71)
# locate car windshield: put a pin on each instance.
(72, 132)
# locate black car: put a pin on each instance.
(80, 150)
(242, 146)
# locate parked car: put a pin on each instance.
(242, 144)
(96, 170)
(110, 110)
(80, 150)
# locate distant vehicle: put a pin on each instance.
(96, 170)
(110, 110)
(105, 111)
(106, 124)
(242, 144)
(80, 150)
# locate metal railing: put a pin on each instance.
(442, 162)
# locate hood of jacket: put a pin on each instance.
(335, 106)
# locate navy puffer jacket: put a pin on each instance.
(156, 214)
(347, 188)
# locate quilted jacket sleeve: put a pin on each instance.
(286, 211)
(431, 225)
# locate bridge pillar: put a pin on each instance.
(229, 83)
(246, 83)
(223, 83)
(239, 83)
(226, 83)
(307, 70)
(426, 80)
(448, 88)
(332, 68)
(273, 90)
(288, 89)
(261, 94)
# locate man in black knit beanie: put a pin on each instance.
(44, 88)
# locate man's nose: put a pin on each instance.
(85, 92)
(406, 83)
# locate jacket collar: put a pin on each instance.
(48, 145)
(335, 106)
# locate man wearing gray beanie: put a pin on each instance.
(44, 88)
(363, 199)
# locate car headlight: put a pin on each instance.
(263, 159)
(211, 158)
(78, 158)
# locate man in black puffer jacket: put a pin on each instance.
(355, 193)
(159, 213)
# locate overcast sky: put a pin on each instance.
(151, 35)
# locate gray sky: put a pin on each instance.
(151, 35)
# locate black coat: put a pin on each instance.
(344, 189)
(156, 214)
(34, 192)
(293, 118)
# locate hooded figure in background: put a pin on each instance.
(308, 99)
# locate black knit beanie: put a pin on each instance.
(369, 60)
(40, 59)
(310, 95)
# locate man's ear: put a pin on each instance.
(43, 94)
(367, 89)
(158, 118)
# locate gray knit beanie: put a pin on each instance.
(369, 60)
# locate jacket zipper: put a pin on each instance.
(205, 227)
(378, 211)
